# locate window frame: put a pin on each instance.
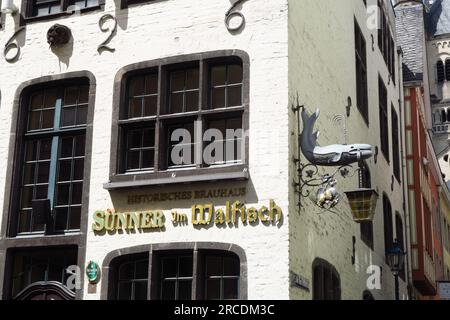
(156, 252)
(118, 180)
(332, 272)
(27, 8)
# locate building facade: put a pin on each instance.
(88, 179)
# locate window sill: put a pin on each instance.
(122, 181)
(28, 20)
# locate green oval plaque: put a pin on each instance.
(92, 271)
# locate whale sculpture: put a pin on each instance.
(332, 155)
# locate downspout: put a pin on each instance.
(404, 176)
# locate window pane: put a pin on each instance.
(191, 101)
(213, 289)
(74, 218)
(230, 288)
(63, 194)
(84, 94)
(24, 221)
(78, 170)
(234, 96)
(140, 290)
(133, 160)
(41, 192)
(31, 150)
(77, 192)
(184, 290)
(185, 267)
(151, 84)
(65, 167)
(71, 96)
(141, 269)
(125, 291)
(213, 266)
(149, 138)
(66, 147)
(79, 145)
(177, 81)
(43, 172)
(126, 271)
(168, 290)
(47, 118)
(28, 175)
(230, 266)
(218, 75)
(27, 197)
(169, 267)
(136, 86)
(68, 116)
(234, 74)
(61, 218)
(218, 98)
(176, 102)
(150, 104)
(82, 115)
(148, 159)
(34, 119)
(45, 149)
(192, 79)
(51, 96)
(134, 139)
(37, 101)
(135, 108)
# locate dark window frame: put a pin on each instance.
(27, 11)
(163, 175)
(366, 227)
(361, 72)
(323, 290)
(383, 118)
(156, 252)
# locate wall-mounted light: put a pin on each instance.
(363, 203)
(8, 7)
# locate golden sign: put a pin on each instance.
(201, 215)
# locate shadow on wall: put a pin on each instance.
(121, 14)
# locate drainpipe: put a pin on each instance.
(404, 176)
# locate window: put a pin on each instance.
(41, 265)
(400, 238)
(384, 131)
(447, 69)
(132, 279)
(366, 227)
(327, 283)
(222, 277)
(440, 71)
(388, 228)
(180, 121)
(53, 157)
(42, 8)
(176, 277)
(184, 274)
(395, 144)
(361, 72)
(386, 41)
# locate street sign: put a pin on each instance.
(444, 290)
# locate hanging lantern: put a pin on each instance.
(363, 203)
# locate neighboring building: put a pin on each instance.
(86, 128)
(425, 123)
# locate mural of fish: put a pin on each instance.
(332, 155)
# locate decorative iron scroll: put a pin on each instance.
(104, 44)
(10, 45)
(236, 14)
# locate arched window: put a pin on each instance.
(443, 115)
(448, 115)
(327, 282)
(132, 278)
(387, 220)
(440, 71)
(367, 295)
(447, 69)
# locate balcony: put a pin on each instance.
(442, 128)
